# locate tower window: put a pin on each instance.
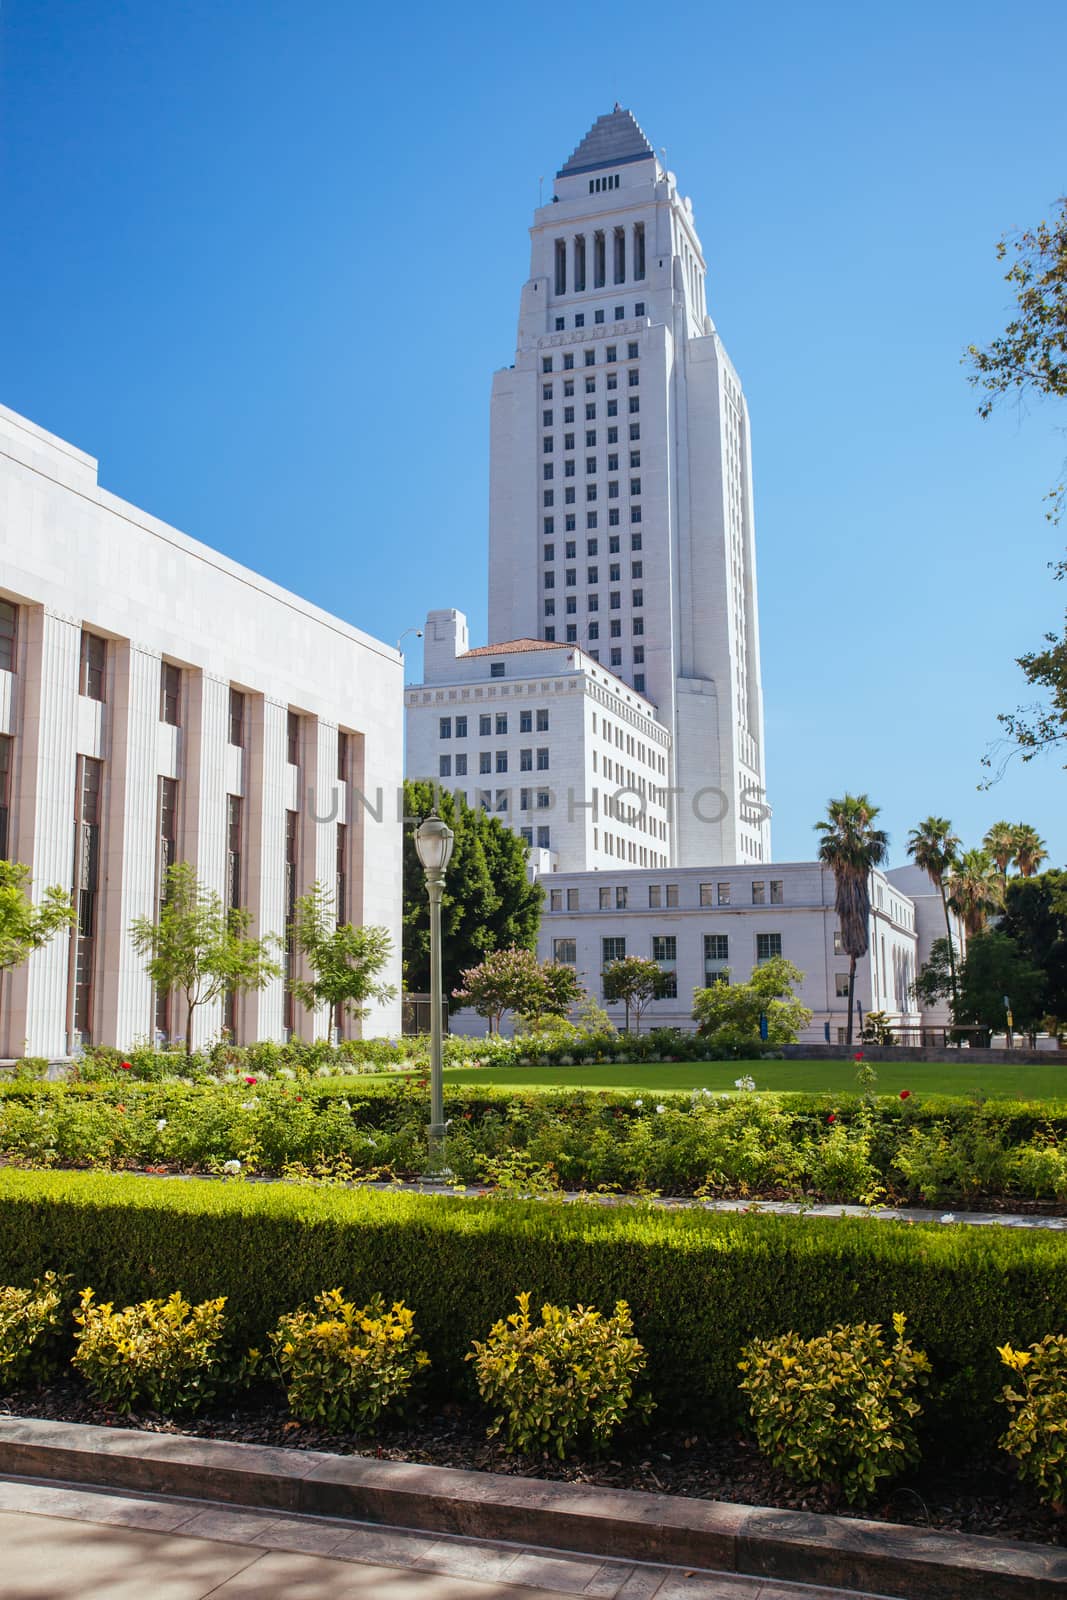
(561, 266)
(639, 250)
(620, 256)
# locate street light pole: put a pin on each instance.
(433, 842)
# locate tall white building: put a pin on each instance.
(621, 513)
(549, 741)
(159, 702)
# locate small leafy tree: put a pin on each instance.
(344, 961)
(201, 947)
(936, 979)
(25, 927)
(995, 969)
(514, 980)
(730, 1012)
(635, 982)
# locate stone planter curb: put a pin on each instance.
(842, 1552)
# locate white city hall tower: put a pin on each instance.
(621, 482)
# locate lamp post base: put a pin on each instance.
(435, 1167)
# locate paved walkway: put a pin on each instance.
(58, 1541)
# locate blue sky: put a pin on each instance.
(262, 260)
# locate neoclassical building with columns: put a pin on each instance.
(159, 702)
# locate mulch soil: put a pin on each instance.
(981, 1497)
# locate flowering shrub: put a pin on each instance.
(839, 1409)
(163, 1354)
(570, 1378)
(1036, 1437)
(342, 1365)
(29, 1321)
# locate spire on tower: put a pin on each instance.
(613, 140)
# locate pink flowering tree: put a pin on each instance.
(514, 980)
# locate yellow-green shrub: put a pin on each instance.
(29, 1320)
(572, 1377)
(163, 1354)
(343, 1365)
(839, 1409)
(1037, 1434)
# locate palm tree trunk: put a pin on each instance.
(951, 947)
(851, 993)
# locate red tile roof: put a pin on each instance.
(515, 647)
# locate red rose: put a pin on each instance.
(905, 1094)
(858, 1056)
(126, 1067)
(832, 1117)
(250, 1081)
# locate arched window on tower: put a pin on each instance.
(639, 250)
(579, 261)
(599, 260)
(620, 255)
(561, 266)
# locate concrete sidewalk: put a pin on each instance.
(56, 1541)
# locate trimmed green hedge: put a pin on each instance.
(700, 1286)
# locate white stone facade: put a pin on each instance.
(158, 701)
(542, 736)
(621, 509)
(698, 922)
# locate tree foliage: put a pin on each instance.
(851, 846)
(488, 902)
(995, 969)
(24, 926)
(634, 981)
(1030, 357)
(344, 961)
(514, 980)
(936, 978)
(201, 947)
(975, 889)
(1035, 916)
(731, 1012)
(935, 848)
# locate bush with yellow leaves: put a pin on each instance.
(29, 1322)
(165, 1355)
(839, 1409)
(343, 1365)
(1037, 1435)
(572, 1377)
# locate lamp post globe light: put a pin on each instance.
(433, 841)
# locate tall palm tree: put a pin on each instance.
(1000, 842)
(975, 889)
(1030, 849)
(935, 848)
(852, 847)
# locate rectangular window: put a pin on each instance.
(605, 899)
(6, 747)
(525, 721)
(542, 759)
(555, 899)
(233, 851)
(639, 655)
(501, 761)
(461, 766)
(777, 892)
(759, 894)
(568, 362)
(635, 405)
(572, 899)
(622, 895)
(237, 718)
(527, 837)
(716, 947)
(546, 366)
(444, 766)
(86, 888)
(655, 897)
(593, 603)
(485, 726)
(635, 541)
(461, 727)
(292, 738)
(590, 358)
(841, 985)
(542, 720)
(839, 948)
(612, 950)
(93, 665)
(544, 800)
(444, 727)
(9, 632)
(485, 761)
(525, 760)
(664, 947)
(768, 945)
(544, 837)
(724, 894)
(565, 952)
(672, 895)
(170, 693)
(501, 724)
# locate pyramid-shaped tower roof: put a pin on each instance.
(613, 140)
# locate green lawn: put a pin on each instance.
(833, 1077)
